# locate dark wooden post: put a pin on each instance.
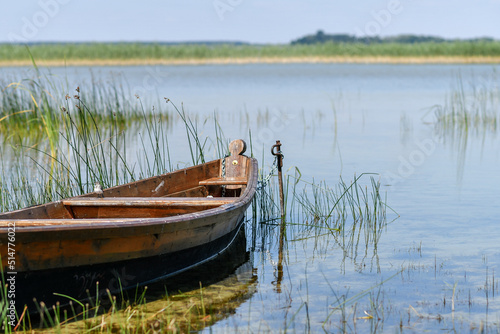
(279, 156)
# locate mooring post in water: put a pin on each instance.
(279, 156)
(276, 151)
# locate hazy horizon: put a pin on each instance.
(228, 41)
(256, 22)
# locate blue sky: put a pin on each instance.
(255, 21)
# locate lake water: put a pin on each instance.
(439, 261)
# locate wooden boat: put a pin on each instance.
(131, 235)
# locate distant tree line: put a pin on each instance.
(321, 37)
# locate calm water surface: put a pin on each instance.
(440, 258)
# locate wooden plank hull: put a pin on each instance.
(154, 227)
(80, 282)
(51, 248)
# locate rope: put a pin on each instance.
(265, 181)
(224, 173)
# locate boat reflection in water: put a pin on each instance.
(191, 300)
(234, 261)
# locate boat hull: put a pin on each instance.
(88, 281)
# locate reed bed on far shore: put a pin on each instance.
(134, 53)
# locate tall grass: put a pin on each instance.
(126, 51)
(35, 107)
(354, 214)
(63, 139)
(473, 108)
(318, 206)
(468, 111)
(86, 152)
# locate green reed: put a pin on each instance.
(63, 140)
(320, 205)
(35, 108)
(354, 214)
(127, 51)
(88, 151)
(196, 147)
(474, 109)
(4, 304)
(469, 111)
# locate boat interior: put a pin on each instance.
(184, 191)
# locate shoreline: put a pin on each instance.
(257, 60)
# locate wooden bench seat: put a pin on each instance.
(223, 181)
